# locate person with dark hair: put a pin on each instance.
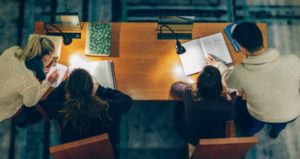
(205, 111)
(18, 83)
(84, 109)
(269, 83)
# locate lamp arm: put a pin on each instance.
(180, 48)
(164, 25)
(66, 40)
(45, 27)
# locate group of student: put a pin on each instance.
(267, 92)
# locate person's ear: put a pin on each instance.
(244, 51)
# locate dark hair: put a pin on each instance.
(249, 36)
(82, 107)
(210, 83)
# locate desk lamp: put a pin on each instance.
(179, 48)
(67, 40)
(64, 24)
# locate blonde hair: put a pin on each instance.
(36, 46)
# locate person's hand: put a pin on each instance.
(47, 68)
(66, 75)
(53, 76)
(95, 87)
(210, 60)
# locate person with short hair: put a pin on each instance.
(205, 111)
(268, 81)
(18, 84)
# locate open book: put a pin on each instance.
(101, 71)
(194, 59)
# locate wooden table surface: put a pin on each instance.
(146, 67)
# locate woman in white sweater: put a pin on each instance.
(18, 84)
(269, 82)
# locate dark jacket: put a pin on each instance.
(118, 103)
(202, 118)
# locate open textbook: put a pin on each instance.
(194, 59)
(101, 71)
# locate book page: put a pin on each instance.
(215, 45)
(101, 71)
(62, 70)
(193, 60)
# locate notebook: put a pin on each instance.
(194, 59)
(98, 38)
(228, 31)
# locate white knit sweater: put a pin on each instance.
(18, 85)
(271, 84)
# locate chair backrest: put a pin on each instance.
(97, 147)
(230, 147)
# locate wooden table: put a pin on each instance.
(145, 67)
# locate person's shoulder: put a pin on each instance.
(289, 58)
(12, 49)
(9, 54)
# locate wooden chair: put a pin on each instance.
(97, 147)
(224, 148)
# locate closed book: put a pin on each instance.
(228, 31)
(98, 37)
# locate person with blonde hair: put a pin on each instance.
(19, 85)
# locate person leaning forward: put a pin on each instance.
(268, 81)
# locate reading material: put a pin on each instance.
(61, 69)
(98, 39)
(228, 31)
(101, 71)
(194, 59)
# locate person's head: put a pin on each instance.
(248, 36)
(39, 47)
(209, 83)
(82, 107)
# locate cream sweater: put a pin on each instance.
(271, 85)
(18, 84)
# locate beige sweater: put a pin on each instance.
(18, 84)
(271, 85)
